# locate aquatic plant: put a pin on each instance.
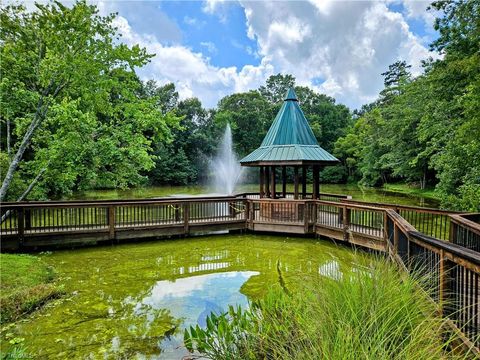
(372, 312)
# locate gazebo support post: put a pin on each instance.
(267, 183)
(273, 190)
(284, 181)
(262, 182)
(316, 182)
(295, 195)
(304, 182)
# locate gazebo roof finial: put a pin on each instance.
(291, 95)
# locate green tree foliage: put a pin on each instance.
(248, 114)
(184, 160)
(71, 102)
(427, 129)
(276, 87)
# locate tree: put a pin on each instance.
(328, 120)
(398, 74)
(54, 55)
(249, 116)
(276, 87)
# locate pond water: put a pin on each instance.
(134, 300)
(357, 193)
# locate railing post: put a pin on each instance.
(395, 238)
(305, 216)
(186, 217)
(453, 232)
(232, 210)
(346, 222)
(314, 212)
(246, 205)
(409, 255)
(385, 231)
(177, 213)
(21, 225)
(111, 222)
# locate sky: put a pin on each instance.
(213, 48)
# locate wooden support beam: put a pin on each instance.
(273, 189)
(267, 182)
(284, 181)
(262, 182)
(295, 195)
(316, 182)
(304, 182)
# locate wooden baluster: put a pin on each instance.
(346, 220)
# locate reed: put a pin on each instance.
(371, 312)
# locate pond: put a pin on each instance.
(134, 300)
(357, 193)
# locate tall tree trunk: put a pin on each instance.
(9, 150)
(39, 116)
(26, 192)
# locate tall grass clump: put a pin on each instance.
(371, 312)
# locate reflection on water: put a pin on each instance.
(134, 300)
(193, 298)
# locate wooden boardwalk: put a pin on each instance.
(413, 237)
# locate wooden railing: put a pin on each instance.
(102, 220)
(432, 222)
(414, 237)
(290, 195)
(448, 272)
(465, 231)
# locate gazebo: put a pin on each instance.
(289, 142)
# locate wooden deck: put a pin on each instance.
(413, 237)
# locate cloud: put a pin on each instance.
(191, 21)
(191, 71)
(336, 47)
(146, 18)
(216, 7)
(349, 44)
(211, 48)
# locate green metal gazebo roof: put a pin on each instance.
(289, 140)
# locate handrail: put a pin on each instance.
(461, 220)
(454, 249)
(74, 203)
(406, 207)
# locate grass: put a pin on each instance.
(26, 283)
(368, 313)
(412, 190)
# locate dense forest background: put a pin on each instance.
(75, 115)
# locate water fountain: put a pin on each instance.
(225, 167)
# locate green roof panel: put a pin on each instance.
(289, 138)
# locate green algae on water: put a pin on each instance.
(134, 300)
